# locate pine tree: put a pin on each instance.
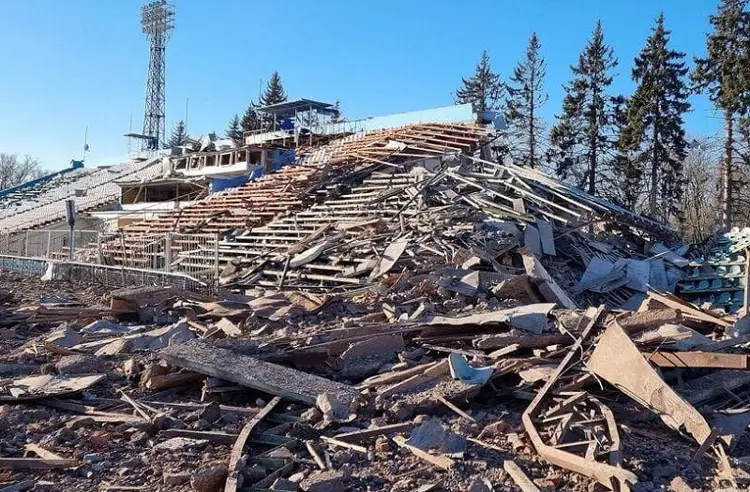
(234, 131)
(250, 119)
(274, 93)
(526, 97)
(724, 76)
(336, 117)
(583, 141)
(484, 90)
(654, 131)
(179, 135)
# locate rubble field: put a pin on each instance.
(161, 389)
(446, 343)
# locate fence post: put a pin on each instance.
(216, 262)
(26, 244)
(100, 255)
(49, 244)
(72, 245)
(168, 252)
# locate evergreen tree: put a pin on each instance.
(179, 135)
(526, 96)
(234, 131)
(274, 93)
(484, 90)
(583, 141)
(336, 117)
(724, 76)
(250, 119)
(654, 130)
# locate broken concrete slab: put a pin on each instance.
(46, 386)
(391, 255)
(617, 360)
(150, 340)
(430, 434)
(531, 318)
(324, 481)
(64, 337)
(180, 444)
(676, 336)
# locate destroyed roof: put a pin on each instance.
(263, 198)
(290, 108)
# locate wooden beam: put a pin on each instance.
(239, 445)
(200, 356)
(699, 359)
(36, 463)
(363, 435)
(519, 477)
(439, 461)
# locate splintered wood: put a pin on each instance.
(277, 380)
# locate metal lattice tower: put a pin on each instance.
(157, 20)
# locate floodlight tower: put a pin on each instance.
(157, 20)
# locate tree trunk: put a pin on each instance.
(652, 202)
(726, 176)
(532, 130)
(532, 138)
(593, 133)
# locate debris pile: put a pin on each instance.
(439, 323)
(438, 376)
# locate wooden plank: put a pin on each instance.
(19, 486)
(699, 359)
(200, 356)
(439, 461)
(36, 464)
(211, 436)
(565, 405)
(687, 310)
(335, 442)
(239, 445)
(455, 408)
(519, 477)
(314, 453)
(363, 435)
(41, 452)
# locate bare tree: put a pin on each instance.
(700, 200)
(15, 170)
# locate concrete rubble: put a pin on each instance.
(483, 327)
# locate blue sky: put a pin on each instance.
(71, 63)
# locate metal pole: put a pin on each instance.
(168, 252)
(26, 245)
(71, 243)
(49, 243)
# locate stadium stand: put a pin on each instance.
(44, 203)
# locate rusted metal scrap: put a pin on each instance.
(617, 360)
(611, 475)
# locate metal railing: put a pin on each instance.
(112, 276)
(195, 256)
(54, 244)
